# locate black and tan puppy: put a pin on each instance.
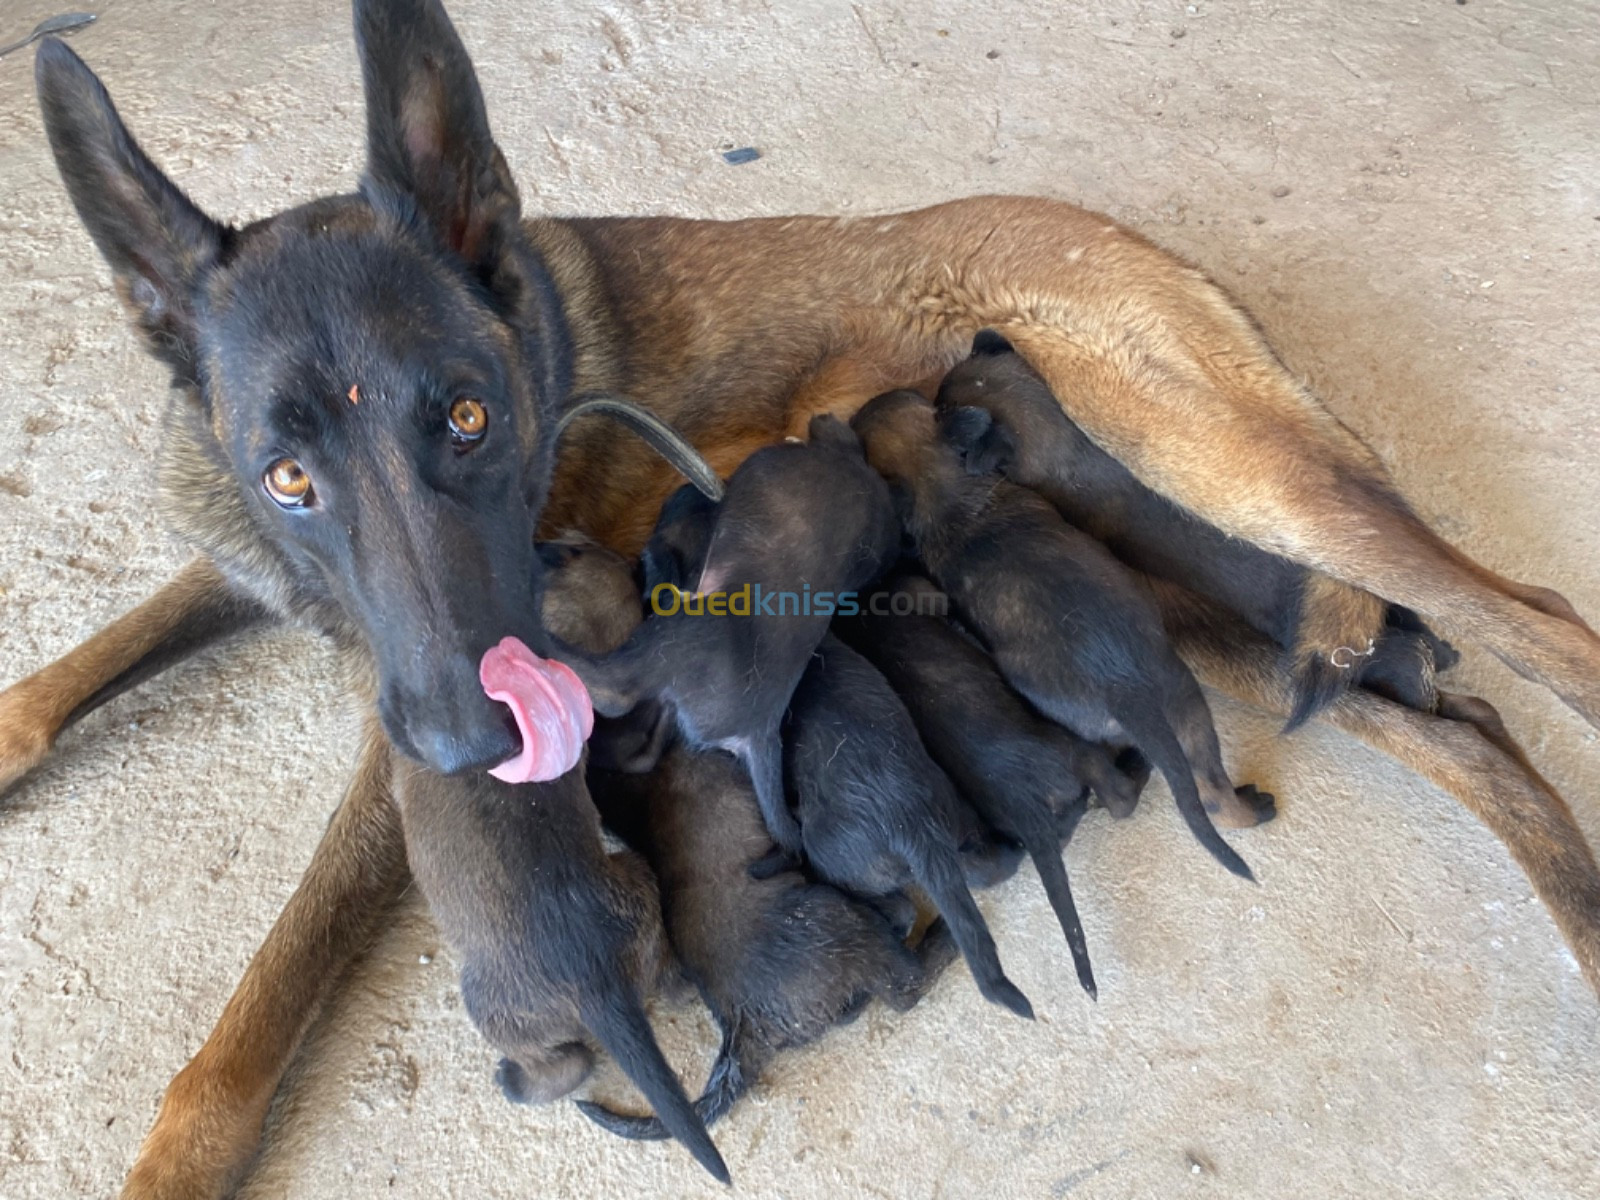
(875, 812)
(1001, 414)
(1027, 777)
(801, 524)
(779, 960)
(1066, 623)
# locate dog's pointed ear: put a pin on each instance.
(984, 446)
(155, 240)
(430, 156)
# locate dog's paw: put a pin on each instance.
(25, 739)
(1249, 806)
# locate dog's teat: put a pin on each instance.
(354, 394)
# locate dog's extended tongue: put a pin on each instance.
(551, 706)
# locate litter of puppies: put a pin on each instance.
(966, 654)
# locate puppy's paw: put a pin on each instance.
(552, 1076)
(1247, 807)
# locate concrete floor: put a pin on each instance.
(1407, 195)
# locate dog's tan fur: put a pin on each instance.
(738, 332)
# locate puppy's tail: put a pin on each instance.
(1337, 629)
(937, 867)
(612, 1011)
(1044, 847)
(1149, 729)
(730, 1078)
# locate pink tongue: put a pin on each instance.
(551, 706)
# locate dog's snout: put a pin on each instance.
(451, 726)
(455, 752)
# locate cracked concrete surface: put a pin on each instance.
(1409, 198)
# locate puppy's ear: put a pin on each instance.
(431, 161)
(827, 430)
(155, 240)
(990, 342)
(985, 447)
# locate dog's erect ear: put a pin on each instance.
(430, 155)
(985, 447)
(154, 238)
(989, 342)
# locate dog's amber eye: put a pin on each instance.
(468, 421)
(286, 482)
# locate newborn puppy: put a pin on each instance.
(800, 524)
(1026, 776)
(591, 600)
(875, 812)
(559, 941)
(1067, 625)
(778, 960)
(1001, 414)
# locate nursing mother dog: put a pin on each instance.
(360, 438)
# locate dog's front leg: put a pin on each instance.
(210, 1121)
(195, 609)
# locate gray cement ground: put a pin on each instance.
(1408, 196)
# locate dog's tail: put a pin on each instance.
(937, 868)
(1043, 843)
(1150, 731)
(1338, 627)
(613, 1012)
(731, 1076)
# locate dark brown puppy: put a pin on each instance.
(875, 812)
(1025, 776)
(559, 941)
(591, 600)
(1001, 414)
(1068, 626)
(779, 960)
(801, 524)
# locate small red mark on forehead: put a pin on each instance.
(354, 394)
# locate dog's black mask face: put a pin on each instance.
(374, 375)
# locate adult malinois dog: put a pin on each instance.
(361, 438)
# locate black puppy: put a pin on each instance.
(801, 523)
(1028, 778)
(778, 960)
(559, 941)
(1001, 414)
(1067, 625)
(875, 812)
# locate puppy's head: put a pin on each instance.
(362, 431)
(591, 597)
(997, 411)
(897, 430)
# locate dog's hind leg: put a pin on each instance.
(1465, 750)
(1185, 393)
(210, 1121)
(195, 609)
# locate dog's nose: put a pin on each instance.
(450, 726)
(460, 752)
